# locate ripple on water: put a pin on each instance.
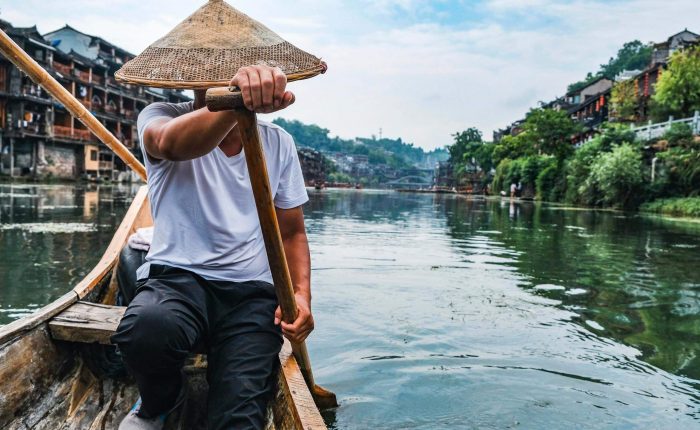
(549, 287)
(51, 227)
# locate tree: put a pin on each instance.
(618, 176)
(678, 89)
(512, 147)
(462, 140)
(550, 132)
(681, 162)
(483, 155)
(624, 100)
(633, 55)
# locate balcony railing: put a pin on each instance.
(82, 134)
(76, 133)
(62, 68)
(111, 109)
(83, 76)
(98, 79)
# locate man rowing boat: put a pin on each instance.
(207, 282)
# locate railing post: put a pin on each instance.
(649, 130)
(696, 122)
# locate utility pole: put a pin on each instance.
(380, 133)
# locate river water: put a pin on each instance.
(443, 312)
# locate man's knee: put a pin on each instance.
(149, 335)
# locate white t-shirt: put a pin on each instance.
(204, 211)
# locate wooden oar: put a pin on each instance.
(218, 99)
(25, 63)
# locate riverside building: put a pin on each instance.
(38, 137)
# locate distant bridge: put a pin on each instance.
(411, 182)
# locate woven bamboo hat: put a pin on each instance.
(207, 49)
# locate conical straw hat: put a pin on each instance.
(207, 49)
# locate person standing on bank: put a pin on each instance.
(206, 282)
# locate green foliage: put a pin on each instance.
(578, 171)
(512, 147)
(579, 188)
(393, 152)
(615, 134)
(577, 86)
(681, 171)
(633, 55)
(468, 150)
(618, 176)
(624, 100)
(550, 132)
(308, 135)
(550, 184)
(500, 179)
(463, 143)
(678, 89)
(679, 134)
(523, 170)
(340, 177)
(483, 155)
(680, 206)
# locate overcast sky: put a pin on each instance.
(420, 70)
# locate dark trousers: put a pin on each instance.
(175, 312)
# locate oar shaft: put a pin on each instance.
(25, 63)
(259, 179)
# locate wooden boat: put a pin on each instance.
(57, 370)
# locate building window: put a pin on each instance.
(93, 155)
(39, 55)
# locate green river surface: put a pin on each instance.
(436, 311)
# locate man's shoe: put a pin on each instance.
(132, 421)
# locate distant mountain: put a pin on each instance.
(393, 152)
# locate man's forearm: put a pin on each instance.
(296, 248)
(194, 134)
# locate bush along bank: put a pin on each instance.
(680, 206)
(614, 169)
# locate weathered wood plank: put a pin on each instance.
(27, 324)
(87, 323)
(294, 407)
(29, 367)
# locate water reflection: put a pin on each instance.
(622, 275)
(50, 237)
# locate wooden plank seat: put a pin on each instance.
(86, 322)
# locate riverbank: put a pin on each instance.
(686, 207)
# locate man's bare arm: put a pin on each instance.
(197, 133)
(296, 248)
(188, 136)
